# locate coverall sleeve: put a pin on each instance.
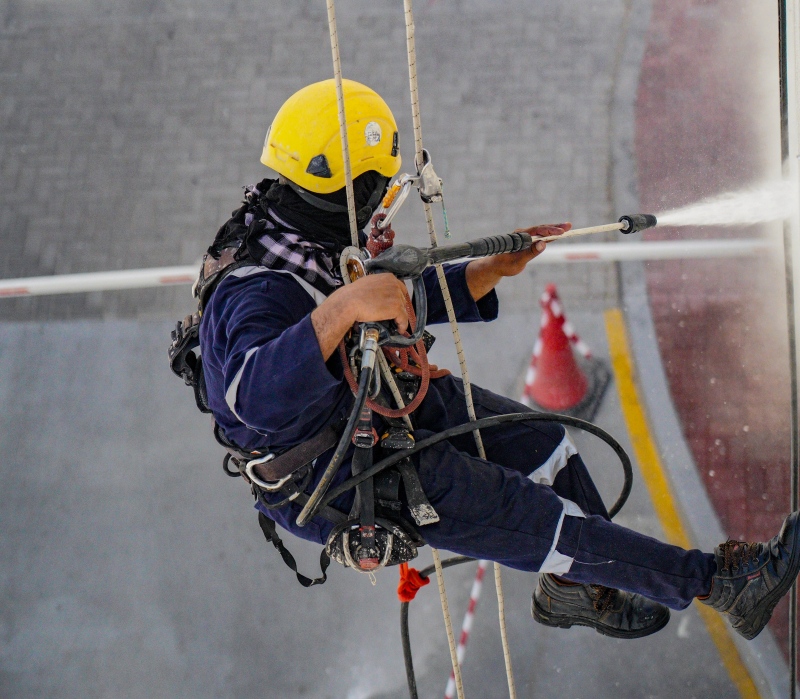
(276, 380)
(466, 308)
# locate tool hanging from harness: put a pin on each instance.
(375, 533)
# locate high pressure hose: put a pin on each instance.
(492, 422)
(404, 634)
(313, 505)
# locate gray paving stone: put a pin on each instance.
(127, 130)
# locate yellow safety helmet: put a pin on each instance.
(304, 145)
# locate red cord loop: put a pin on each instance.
(411, 359)
(379, 240)
(410, 582)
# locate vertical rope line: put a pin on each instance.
(794, 466)
(412, 79)
(501, 613)
(337, 74)
(386, 373)
(448, 302)
(448, 624)
(451, 315)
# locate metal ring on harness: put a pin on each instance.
(271, 486)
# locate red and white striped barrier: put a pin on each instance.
(99, 281)
(557, 254)
(466, 626)
(656, 250)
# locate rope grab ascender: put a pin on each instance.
(375, 356)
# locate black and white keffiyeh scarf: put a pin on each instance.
(277, 245)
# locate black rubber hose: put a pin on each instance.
(483, 423)
(406, 638)
(421, 311)
(314, 505)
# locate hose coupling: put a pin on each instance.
(370, 335)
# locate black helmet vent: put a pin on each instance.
(319, 167)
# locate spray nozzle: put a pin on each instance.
(637, 222)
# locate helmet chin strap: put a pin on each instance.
(363, 214)
(315, 201)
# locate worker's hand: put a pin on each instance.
(513, 263)
(371, 298)
(377, 297)
(484, 274)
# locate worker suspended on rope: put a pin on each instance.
(273, 310)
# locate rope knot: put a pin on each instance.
(410, 582)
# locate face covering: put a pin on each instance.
(323, 218)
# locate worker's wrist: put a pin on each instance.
(482, 277)
(343, 305)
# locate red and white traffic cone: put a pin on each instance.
(555, 382)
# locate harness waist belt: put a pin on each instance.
(288, 462)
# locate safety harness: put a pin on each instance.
(375, 533)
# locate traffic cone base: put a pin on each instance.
(598, 377)
(555, 381)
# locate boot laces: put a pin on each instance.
(602, 597)
(737, 553)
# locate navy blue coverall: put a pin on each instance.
(531, 506)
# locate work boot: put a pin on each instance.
(608, 611)
(752, 577)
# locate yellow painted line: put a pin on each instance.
(661, 494)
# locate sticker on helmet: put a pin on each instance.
(373, 133)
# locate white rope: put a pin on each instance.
(448, 624)
(337, 74)
(501, 614)
(462, 361)
(388, 377)
(383, 363)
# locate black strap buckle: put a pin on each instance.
(184, 358)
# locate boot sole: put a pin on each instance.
(566, 622)
(763, 610)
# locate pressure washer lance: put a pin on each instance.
(406, 261)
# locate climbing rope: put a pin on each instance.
(448, 624)
(383, 364)
(462, 361)
(337, 74)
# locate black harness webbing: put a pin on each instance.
(271, 535)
